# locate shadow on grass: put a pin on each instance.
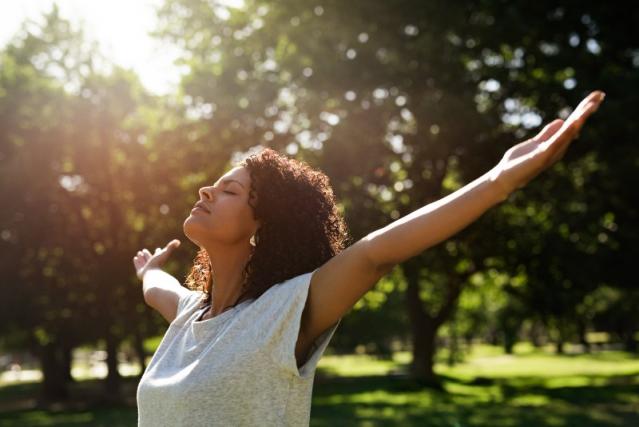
(399, 401)
(597, 389)
(602, 400)
(87, 406)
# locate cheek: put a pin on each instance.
(247, 220)
(228, 220)
(235, 212)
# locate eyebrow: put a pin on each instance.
(228, 181)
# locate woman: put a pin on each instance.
(272, 280)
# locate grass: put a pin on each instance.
(529, 388)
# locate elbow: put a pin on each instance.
(148, 296)
(375, 256)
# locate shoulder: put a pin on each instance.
(289, 289)
(188, 301)
(284, 312)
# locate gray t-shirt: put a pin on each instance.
(235, 369)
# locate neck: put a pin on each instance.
(227, 265)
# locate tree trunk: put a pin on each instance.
(424, 349)
(629, 342)
(510, 331)
(582, 336)
(509, 342)
(113, 378)
(424, 327)
(423, 332)
(54, 384)
(67, 361)
(453, 345)
(138, 345)
(561, 337)
(535, 334)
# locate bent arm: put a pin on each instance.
(433, 223)
(162, 292)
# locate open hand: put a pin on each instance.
(527, 159)
(144, 260)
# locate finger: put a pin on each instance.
(588, 109)
(593, 97)
(157, 250)
(146, 252)
(562, 146)
(579, 120)
(566, 131)
(549, 130)
(556, 145)
(587, 106)
(532, 144)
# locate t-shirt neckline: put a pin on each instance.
(217, 318)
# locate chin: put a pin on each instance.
(194, 230)
(188, 229)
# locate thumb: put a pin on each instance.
(173, 244)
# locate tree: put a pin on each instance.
(400, 103)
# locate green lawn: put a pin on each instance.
(530, 388)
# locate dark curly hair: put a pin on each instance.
(301, 225)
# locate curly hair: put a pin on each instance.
(301, 225)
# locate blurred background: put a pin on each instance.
(113, 114)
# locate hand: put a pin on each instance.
(144, 261)
(527, 159)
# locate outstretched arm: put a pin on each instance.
(428, 226)
(433, 223)
(338, 284)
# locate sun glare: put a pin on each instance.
(120, 27)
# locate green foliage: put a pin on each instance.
(400, 103)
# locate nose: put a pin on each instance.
(206, 193)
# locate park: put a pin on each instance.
(523, 315)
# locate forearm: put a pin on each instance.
(433, 223)
(156, 277)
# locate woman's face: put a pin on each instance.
(229, 219)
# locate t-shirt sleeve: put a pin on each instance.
(284, 307)
(187, 302)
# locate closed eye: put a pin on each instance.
(228, 192)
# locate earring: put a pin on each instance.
(252, 241)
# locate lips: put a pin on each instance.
(201, 206)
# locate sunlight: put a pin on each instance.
(235, 4)
(120, 27)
